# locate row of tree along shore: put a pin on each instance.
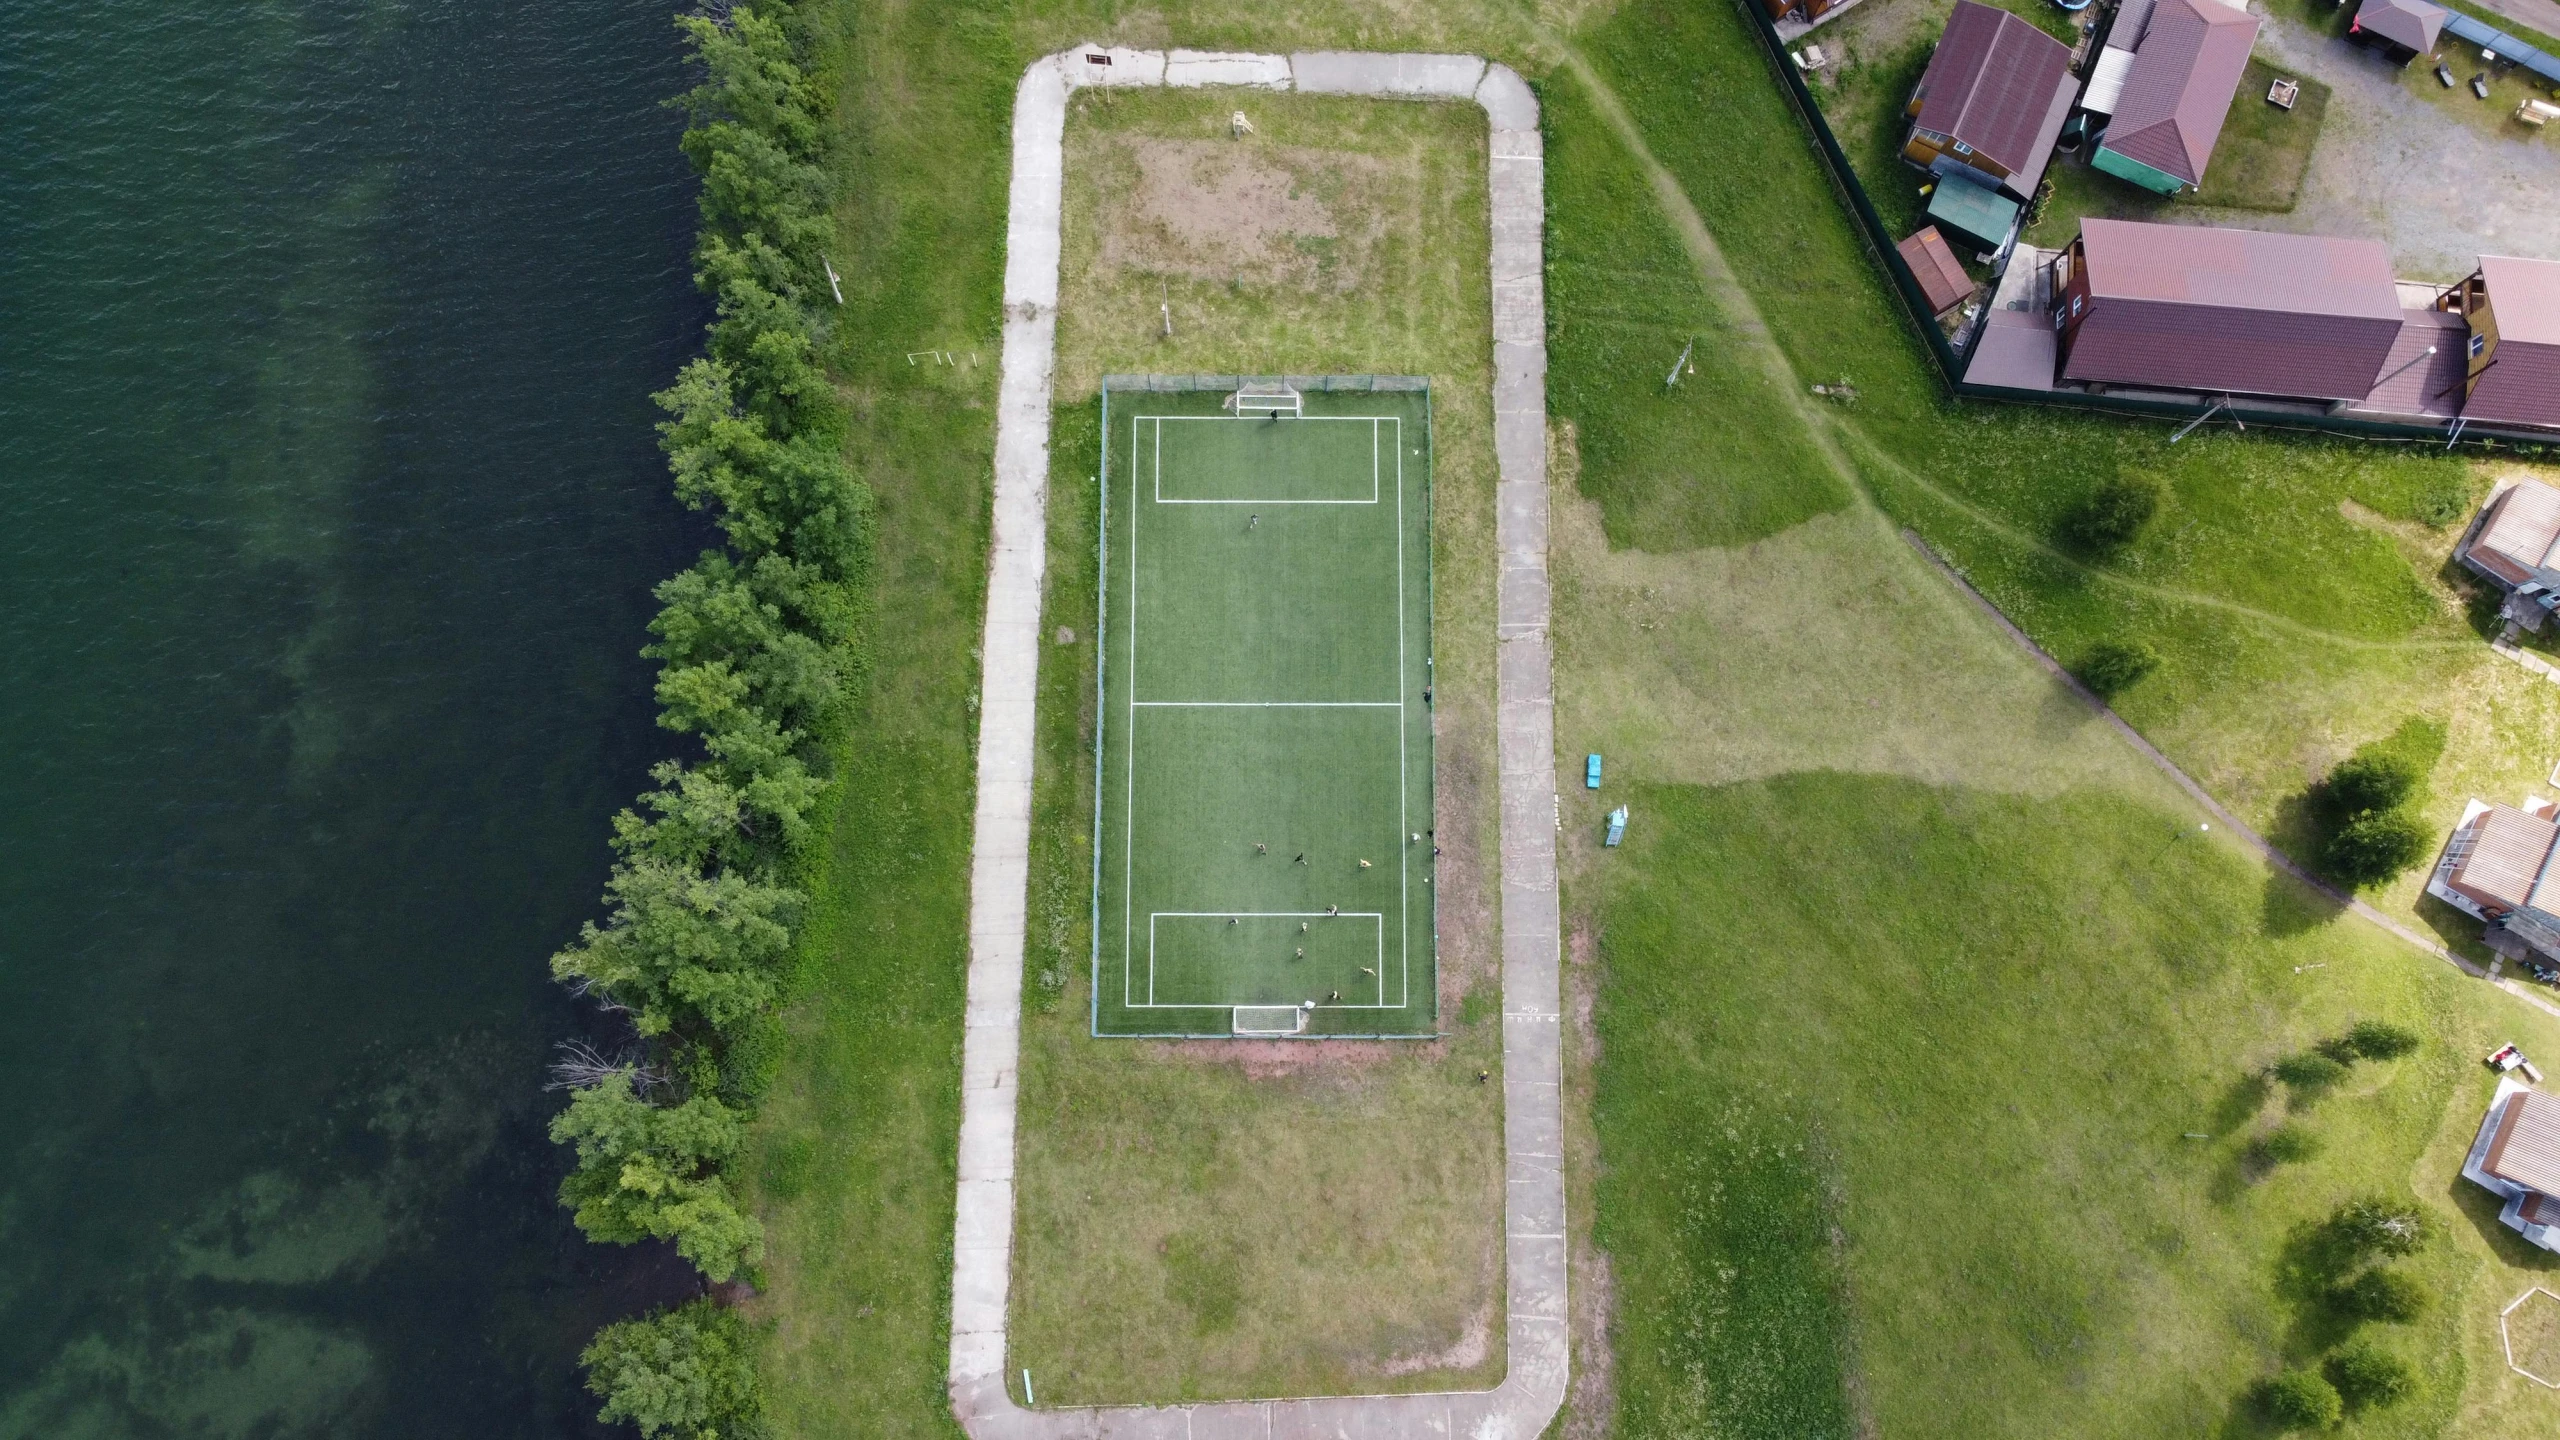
(756, 649)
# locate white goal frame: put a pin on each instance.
(1267, 398)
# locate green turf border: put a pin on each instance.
(1189, 384)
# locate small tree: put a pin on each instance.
(2112, 515)
(2301, 1400)
(2115, 666)
(2287, 1144)
(685, 1373)
(2375, 1226)
(2382, 1040)
(2383, 1293)
(2370, 1377)
(2310, 1073)
(2374, 847)
(2373, 780)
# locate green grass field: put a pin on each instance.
(1266, 742)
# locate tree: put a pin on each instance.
(651, 1172)
(2115, 666)
(687, 1373)
(2112, 515)
(2310, 1073)
(2376, 1226)
(2382, 1040)
(2370, 1377)
(2383, 1293)
(2300, 1400)
(681, 945)
(2374, 847)
(2287, 1144)
(2371, 781)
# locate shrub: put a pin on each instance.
(2373, 1225)
(2370, 1377)
(2381, 1040)
(2310, 1073)
(2383, 1293)
(2301, 1400)
(650, 1172)
(686, 1372)
(2112, 515)
(2373, 781)
(2115, 666)
(2287, 1144)
(2373, 848)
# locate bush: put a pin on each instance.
(650, 1172)
(686, 1372)
(2370, 1377)
(2112, 515)
(2366, 782)
(2310, 1073)
(2372, 848)
(2287, 1144)
(2381, 1040)
(2383, 1293)
(2374, 1226)
(2301, 1400)
(2115, 666)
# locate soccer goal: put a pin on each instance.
(1270, 1019)
(1252, 398)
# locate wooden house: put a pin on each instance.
(1991, 102)
(2512, 311)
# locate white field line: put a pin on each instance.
(1535, 1343)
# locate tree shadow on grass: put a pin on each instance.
(2290, 907)
(2314, 1260)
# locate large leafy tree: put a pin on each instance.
(681, 945)
(652, 1172)
(685, 1373)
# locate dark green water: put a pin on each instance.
(326, 335)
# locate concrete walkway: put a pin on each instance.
(1533, 1119)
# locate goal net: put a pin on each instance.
(1269, 1019)
(1253, 399)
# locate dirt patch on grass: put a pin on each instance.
(1241, 210)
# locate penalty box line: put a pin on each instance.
(1403, 981)
(1376, 423)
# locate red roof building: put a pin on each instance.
(1934, 265)
(2179, 88)
(2247, 312)
(2512, 310)
(1992, 100)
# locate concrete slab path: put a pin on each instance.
(1532, 1060)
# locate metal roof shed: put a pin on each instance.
(1941, 278)
(1967, 212)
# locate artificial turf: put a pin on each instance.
(1266, 739)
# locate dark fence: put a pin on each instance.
(1951, 363)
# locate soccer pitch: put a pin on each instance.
(1263, 838)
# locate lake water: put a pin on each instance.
(331, 512)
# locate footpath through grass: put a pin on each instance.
(1940, 1043)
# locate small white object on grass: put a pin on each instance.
(1238, 126)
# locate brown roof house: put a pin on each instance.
(2513, 310)
(2400, 29)
(2514, 542)
(2517, 1156)
(2185, 67)
(2186, 307)
(2497, 868)
(1991, 102)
